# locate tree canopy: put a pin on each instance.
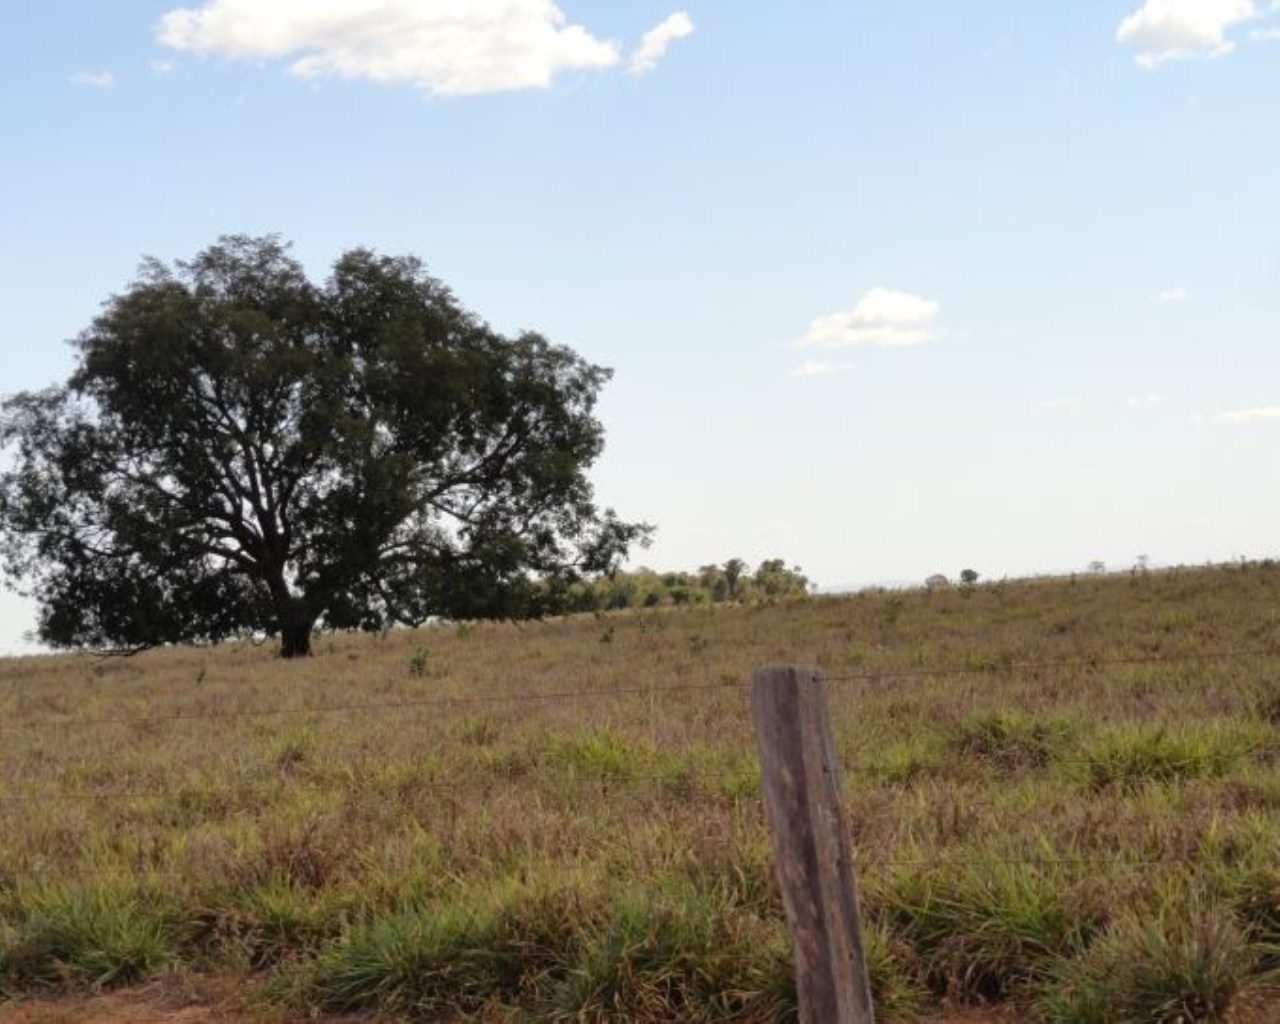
(241, 451)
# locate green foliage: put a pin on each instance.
(733, 570)
(711, 584)
(268, 924)
(1007, 740)
(240, 451)
(99, 936)
(1131, 757)
(983, 927)
(1167, 969)
(600, 753)
(664, 959)
(424, 962)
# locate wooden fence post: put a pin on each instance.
(801, 781)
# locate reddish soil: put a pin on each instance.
(183, 1000)
(171, 1000)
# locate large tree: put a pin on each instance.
(239, 450)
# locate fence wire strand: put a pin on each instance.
(574, 696)
(351, 788)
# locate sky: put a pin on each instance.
(889, 289)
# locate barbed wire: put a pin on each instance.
(573, 696)
(677, 777)
(863, 863)
(1036, 666)
(567, 696)
(354, 788)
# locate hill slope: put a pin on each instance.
(1064, 795)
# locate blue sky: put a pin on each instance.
(888, 288)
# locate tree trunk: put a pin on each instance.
(295, 640)
(295, 621)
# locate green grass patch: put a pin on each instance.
(99, 937)
(660, 959)
(1008, 741)
(981, 929)
(1133, 756)
(1172, 968)
(601, 754)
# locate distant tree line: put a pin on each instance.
(728, 583)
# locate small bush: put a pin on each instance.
(269, 924)
(1131, 758)
(99, 937)
(426, 962)
(658, 959)
(1166, 970)
(418, 661)
(1007, 741)
(981, 929)
(601, 753)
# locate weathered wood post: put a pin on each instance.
(801, 781)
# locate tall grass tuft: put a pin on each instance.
(661, 959)
(981, 929)
(426, 962)
(100, 937)
(1006, 741)
(1164, 969)
(1130, 757)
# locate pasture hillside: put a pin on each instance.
(1064, 798)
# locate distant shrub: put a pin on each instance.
(418, 661)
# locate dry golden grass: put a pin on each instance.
(1052, 785)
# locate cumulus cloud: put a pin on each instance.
(820, 368)
(1148, 401)
(94, 79)
(654, 43)
(448, 47)
(1266, 35)
(1174, 295)
(1259, 414)
(881, 317)
(1162, 30)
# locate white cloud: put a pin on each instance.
(1259, 414)
(654, 43)
(448, 47)
(1148, 401)
(1059, 403)
(820, 368)
(163, 67)
(1162, 30)
(94, 79)
(881, 317)
(1173, 295)
(1266, 35)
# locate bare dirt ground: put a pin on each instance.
(184, 1000)
(211, 1002)
(180, 999)
(171, 1000)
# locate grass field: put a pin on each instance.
(1064, 797)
